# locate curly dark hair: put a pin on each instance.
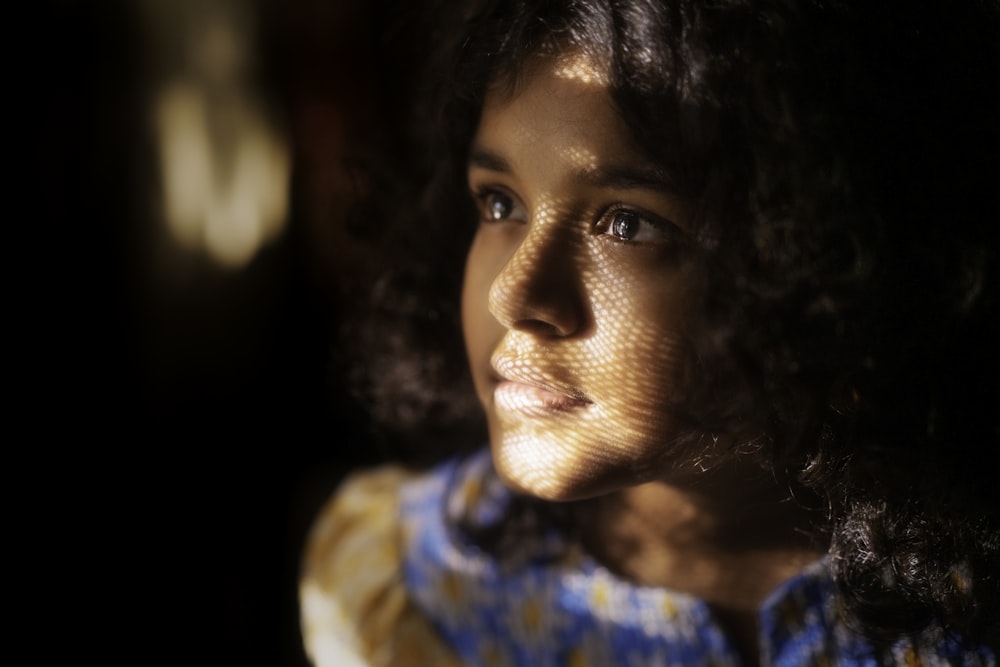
(844, 159)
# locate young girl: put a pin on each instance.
(728, 309)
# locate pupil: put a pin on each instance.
(625, 225)
(499, 207)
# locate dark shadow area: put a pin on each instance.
(198, 416)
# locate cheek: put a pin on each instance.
(481, 330)
(627, 366)
(635, 351)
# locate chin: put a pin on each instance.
(551, 471)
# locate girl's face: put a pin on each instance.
(573, 290)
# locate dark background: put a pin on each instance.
(196, 415)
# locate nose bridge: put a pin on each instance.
(538, 288)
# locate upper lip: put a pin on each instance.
(516, 369)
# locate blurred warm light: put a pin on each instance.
(224, 165)
(228, 202)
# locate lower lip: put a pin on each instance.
(531, 400)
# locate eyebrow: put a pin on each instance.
(485, 159)
(619, 177)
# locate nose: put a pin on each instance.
(539, 290)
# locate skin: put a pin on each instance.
(556, 300)
(573, 310)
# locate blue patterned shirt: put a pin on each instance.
(539, 611)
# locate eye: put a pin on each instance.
(498, 206)
(624, 224)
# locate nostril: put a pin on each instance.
(537, 308)
(539, 327)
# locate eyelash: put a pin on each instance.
(665, 229)
(604, 225)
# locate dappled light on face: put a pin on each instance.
(587, 359)
(580, 370)
(598, 337)
(581, 158)
(529, 293)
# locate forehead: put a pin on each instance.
(559, 104)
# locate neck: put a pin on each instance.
(728, 538)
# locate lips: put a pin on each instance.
(527, 389)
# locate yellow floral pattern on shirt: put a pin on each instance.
(355, 611)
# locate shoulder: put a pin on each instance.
(354, 605)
